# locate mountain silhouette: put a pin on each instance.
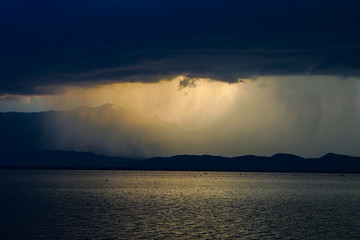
(104, 130)
(86, 160)
(87, 138)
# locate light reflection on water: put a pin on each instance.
(177, 205)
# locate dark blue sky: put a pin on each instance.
(45, 43)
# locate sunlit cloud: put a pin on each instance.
(190, 103)
(304, 115)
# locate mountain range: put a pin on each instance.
(104, 130)
(89, 138)
(332, 163)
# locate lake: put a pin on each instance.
(69, 204)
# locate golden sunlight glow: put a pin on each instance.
(191, 106)
(263, 116)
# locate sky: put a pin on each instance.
(239, 77)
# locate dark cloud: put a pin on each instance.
(188, 81)
(70, 42)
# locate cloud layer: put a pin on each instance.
(52, 43)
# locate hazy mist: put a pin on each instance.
(304, 115)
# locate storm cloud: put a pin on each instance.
(55, 43)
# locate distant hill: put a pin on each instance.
(69, 139)
(105, 130)
(277, 163)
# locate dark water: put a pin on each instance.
(177, 205)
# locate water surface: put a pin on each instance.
(49, 204)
